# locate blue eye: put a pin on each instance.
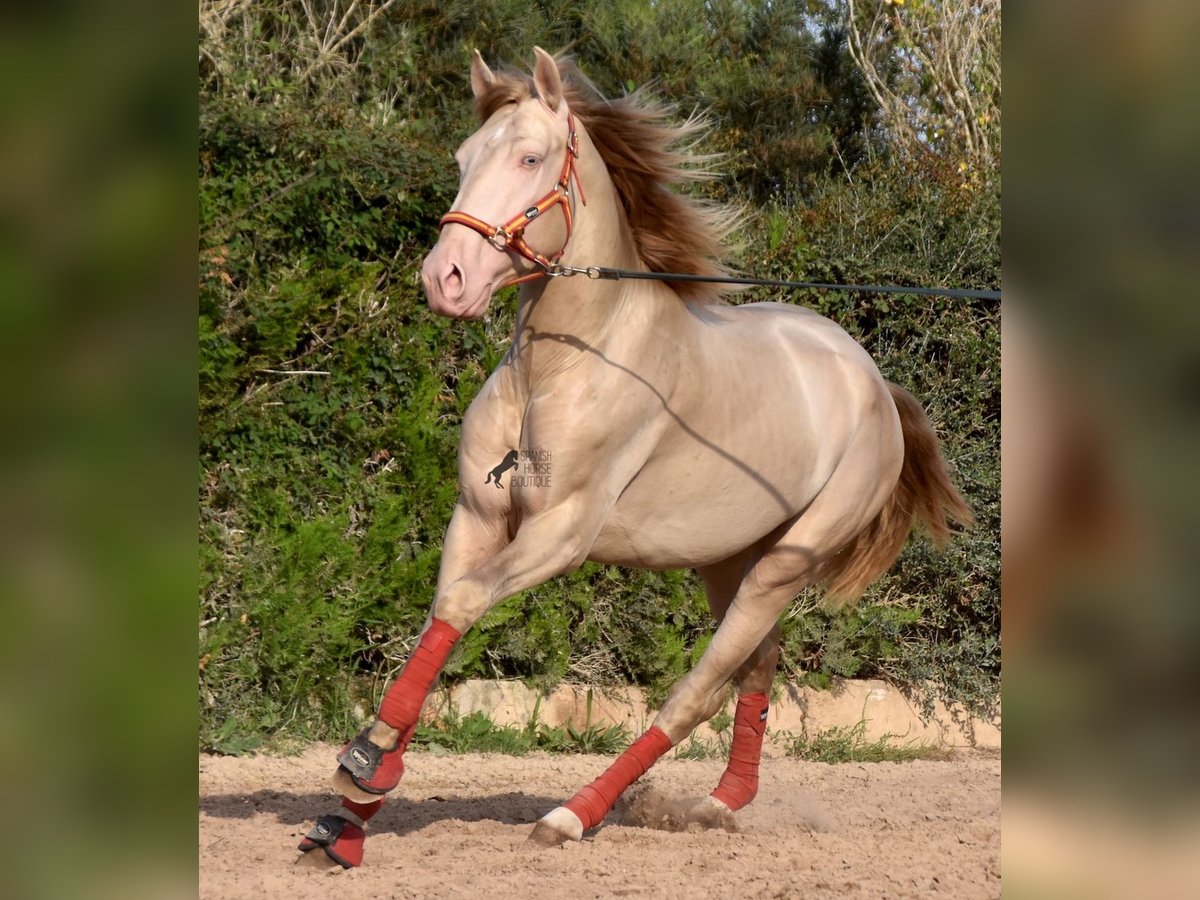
(531, 161)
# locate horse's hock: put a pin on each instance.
(796, 710)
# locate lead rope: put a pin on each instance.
(603, 272)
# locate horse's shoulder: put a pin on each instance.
(494, 412)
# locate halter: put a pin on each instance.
(511, 235)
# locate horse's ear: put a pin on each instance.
(481, 76)
(547, 80)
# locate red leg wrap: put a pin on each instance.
(739, 784)
(402, 704)
(593, 802)
(363, 810)
(377, 769)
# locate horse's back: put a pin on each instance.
(793, 332)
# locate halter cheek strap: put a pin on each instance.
(511, 235)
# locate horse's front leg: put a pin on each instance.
(475, 535)
(550, 543)
(371, 764)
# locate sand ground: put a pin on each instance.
(459, 824)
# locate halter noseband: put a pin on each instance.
(511, 235)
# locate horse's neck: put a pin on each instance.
(559, 318)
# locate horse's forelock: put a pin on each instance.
(509, 86)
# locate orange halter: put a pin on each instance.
(511, 235)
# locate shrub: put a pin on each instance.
(330, 397)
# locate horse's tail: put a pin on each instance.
(923, 494)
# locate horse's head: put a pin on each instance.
(513, 211)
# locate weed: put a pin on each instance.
(477, 733)
(231, 740)
(472, 733)
(720, 723)
(694, 748)
(849, 744)
(594, 738)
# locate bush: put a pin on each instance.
(330, 397)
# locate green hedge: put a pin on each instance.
(324, 496)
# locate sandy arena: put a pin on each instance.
(459, 825)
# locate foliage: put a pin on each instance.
(849, 744)
(476, 733)
(330, 397)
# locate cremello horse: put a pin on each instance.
(756, 443)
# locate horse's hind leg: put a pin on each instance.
(753, 678)
(743, 639)
(748, 622)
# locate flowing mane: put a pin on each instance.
(646, 155)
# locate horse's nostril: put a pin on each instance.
(452, 283)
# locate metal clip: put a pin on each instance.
(557, 270)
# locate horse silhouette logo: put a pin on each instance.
(509, 462)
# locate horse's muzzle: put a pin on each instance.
(448, 290)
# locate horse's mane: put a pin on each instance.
(646, 155)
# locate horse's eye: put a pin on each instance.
(531, 161)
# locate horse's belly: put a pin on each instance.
(666, 547)
(671, 523)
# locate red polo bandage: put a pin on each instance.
(402, 704)
(363, 810)
(739, 784)
(593, 802)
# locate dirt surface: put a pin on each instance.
(459, 825)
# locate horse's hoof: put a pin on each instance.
(316, 862)
(556, 828)
(340, 840)
(371, 768)
(711, 813)
(344, 785)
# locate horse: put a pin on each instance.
(756, 443)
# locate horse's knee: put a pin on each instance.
(463, 603)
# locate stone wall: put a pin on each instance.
(795, 711)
